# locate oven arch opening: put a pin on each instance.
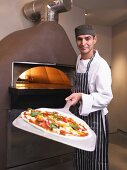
(46, 85)
(43, 77)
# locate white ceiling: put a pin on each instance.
(103, 12)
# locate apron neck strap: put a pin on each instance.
(88, 65)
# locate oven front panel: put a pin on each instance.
(38, 98)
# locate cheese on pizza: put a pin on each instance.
(55, 122)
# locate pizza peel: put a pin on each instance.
(85, 143)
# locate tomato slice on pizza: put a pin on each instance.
(54, 122)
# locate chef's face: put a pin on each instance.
(86, 43)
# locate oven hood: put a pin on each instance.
(45, 42)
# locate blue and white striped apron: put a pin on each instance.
(98, 159)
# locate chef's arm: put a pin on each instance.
(100, 95)
(89, 102)
(93, 102)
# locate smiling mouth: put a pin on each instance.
(82, 48)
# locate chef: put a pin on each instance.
(91, 94)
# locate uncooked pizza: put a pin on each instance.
(54, 122)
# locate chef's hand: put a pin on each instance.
(74, 98)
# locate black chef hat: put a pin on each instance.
(85, 30)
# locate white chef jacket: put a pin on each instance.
(99, 83)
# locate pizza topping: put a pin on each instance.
(35, 113)
(62, 132)
(74, 126)
(55, 122)
(53, 126)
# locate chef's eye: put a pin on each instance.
(88, 38)
(79, 39)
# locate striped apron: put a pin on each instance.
(98, 159)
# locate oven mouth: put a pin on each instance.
(28, 75)
(46, 85)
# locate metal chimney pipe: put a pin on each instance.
(46, 10)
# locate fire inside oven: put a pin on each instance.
(43, 77)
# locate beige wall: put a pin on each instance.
(118, 107)
(11, 16)
(69, 20)
(104, 43)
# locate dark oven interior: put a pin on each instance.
(37, 85)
